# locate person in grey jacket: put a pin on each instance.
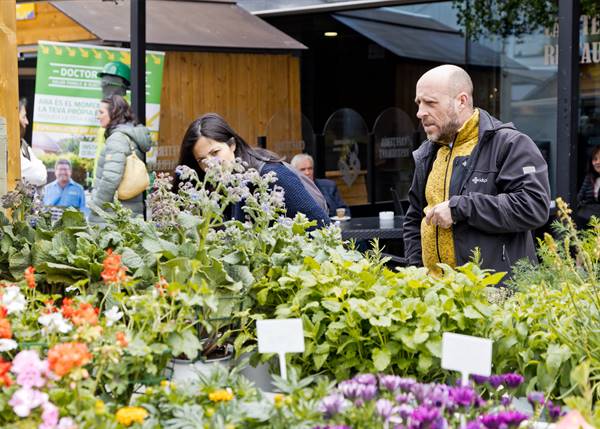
(478, 183)
(122, 133)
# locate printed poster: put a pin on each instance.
(67, 97)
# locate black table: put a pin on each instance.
(368, 228)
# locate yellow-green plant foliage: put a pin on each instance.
(551, 325)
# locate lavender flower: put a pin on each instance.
(496, 381)
(535, 398)
(405, 410)
(502, 420)
(425, 417)
(553, 410)
(350, 389)
(369, 391)
(390, 382)
(333, 404)
(403, 398)
(513, 380)
(463, 396)
(479, 379)
(333, 427)
(365, 379)
(505, 400)
(385, 408)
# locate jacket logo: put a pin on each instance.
(477, 180)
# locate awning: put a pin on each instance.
(420, 37)
(216, 24)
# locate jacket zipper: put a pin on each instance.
(437, 228)
(504, 252)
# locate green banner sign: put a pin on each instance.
(67, 96)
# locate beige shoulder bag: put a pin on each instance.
(135, 177)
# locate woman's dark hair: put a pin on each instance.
(213, 126)
(119, 112)
(591, 171)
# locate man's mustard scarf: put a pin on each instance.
(438, 243)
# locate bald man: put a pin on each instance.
(478, 183)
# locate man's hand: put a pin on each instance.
(439, 215)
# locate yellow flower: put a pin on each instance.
(164, 383)
(99, 407)
(129, 415)
(230, 426)
(279, 398)
(221, 395)
(210, 411)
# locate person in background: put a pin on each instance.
(588, 196)
(304, 163)
(210, 136)
(64, 191)
(115, 79)
(122, 133)
(33, 171)
(478, 183)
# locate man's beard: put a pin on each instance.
(448, 131)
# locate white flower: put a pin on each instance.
(6, 345)
(67, 423)
(54, 322)
(13, 300)
(113, 315)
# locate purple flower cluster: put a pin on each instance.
(502, 420)
(403, 403)
(509, 380)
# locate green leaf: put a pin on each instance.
(131, 259)
(185, 343)
(381, 358)
(493, 279)
(471, 313)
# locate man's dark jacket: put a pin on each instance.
(332, 195)
(498, 195)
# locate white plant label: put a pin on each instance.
(466, 354)
(280, 336)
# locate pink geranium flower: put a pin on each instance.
(25, 399)
(29, 369)
(49, 416)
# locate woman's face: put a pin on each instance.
(596, 162)
(206, 148)
(102, 115)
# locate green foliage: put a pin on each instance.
(511, 17)
(549, 328)
(361, 317)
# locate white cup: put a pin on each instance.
(386, 219)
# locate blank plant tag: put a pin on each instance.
(280, 336)
(466, 354)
